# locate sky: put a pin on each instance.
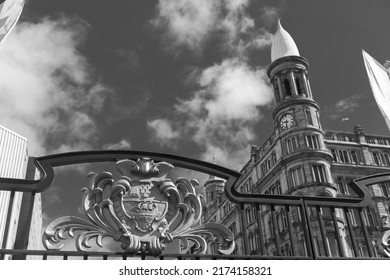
(180, 77)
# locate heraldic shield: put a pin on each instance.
(143, 210)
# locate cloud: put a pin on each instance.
(186, 23)
(220, 116)
(163, 131)
(121, 145)
(48, 90)
(191, 24)
(343, 107)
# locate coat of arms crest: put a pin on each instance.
(142, 209)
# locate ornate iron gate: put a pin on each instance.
(143, 211)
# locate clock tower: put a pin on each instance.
(297, 120)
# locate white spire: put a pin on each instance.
(282, 44)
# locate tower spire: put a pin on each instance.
(282, 44)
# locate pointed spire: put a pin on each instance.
(212, 177)
(282, 44)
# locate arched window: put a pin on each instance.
(276, 88)
(298, 84)
(288, 87)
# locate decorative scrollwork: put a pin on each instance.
(143, 210)
(385, 243)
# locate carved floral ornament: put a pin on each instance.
(385, 243)
(142, 210)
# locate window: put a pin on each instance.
(312, 141)
(376, 158)
(254, 213)
(385, 189)
(385, 159)
(334, 154)
(278, 188)
(318, 173)
(342, 188)
(250, 183)
(211, 196)
(318, 119)
(308, 117)
(257, 238)
(284, 219)
(368, 217)
(287, 86)
(346, 156)
(298, 84)
(270, 227)
(381, 159)
(248, 215)
(273, 157)
(276, 87)
(288, 250)
(355, 156)
(291, 145)
(279, 222)
(272, 189)
(251, 242)
(353, 217)
(296, 214)
(296, 176)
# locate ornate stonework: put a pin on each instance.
(143, 210)
(385, 243)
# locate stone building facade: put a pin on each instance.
(302, 158)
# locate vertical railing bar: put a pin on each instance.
(307, 230)
(244, 229)
(44, 257)
(322, 230)
(289, 226)
(365, 231)
(28, 221)
(260, 229)
(336, 228)
(8, 221)
(276, 231)
(347, 214)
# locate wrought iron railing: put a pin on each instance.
(290, 227)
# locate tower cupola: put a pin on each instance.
(288, 71)
(282, 44)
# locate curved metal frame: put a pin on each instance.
(46, 164)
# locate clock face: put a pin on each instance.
(287, 121)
